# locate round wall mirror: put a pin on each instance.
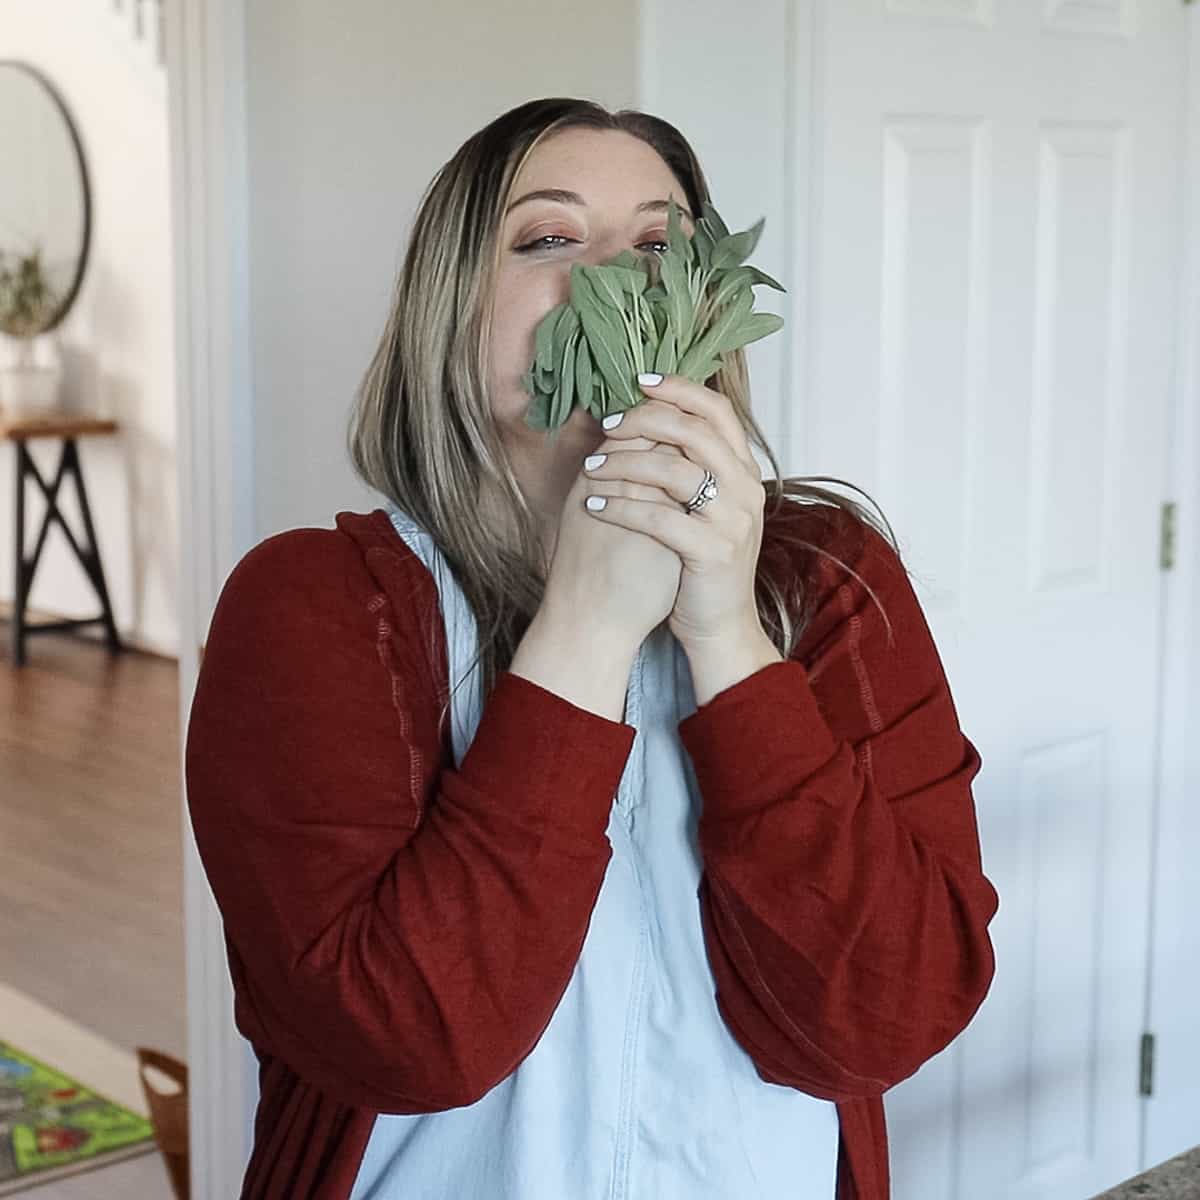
(45, 204)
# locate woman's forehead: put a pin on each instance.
(596, 167)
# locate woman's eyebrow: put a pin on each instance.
(561, 196)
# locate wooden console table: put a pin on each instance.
(66, 427)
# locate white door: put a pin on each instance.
(983, 214)
(996, 300)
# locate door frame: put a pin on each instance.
(206, 73)
(206, 65)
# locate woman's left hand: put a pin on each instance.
(718, 544)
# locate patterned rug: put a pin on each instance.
(69, 1101)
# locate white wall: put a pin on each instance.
(119, 338)
(750, 163)
(351, 110)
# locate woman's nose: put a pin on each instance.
(601, 250)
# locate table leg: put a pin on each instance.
(87, 556)
(20, 577)
(91, 560)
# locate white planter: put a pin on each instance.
(27, 390)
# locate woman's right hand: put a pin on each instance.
(620, 582)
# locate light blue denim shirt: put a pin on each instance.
(636, 1089)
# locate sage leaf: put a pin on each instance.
(678, 242)
(679, 313)
(565, 395)
(758, 325)
(733, 250)
(713, 219)
(612, 284)
(703, 242)
(665, 360)
(680, 310)
(732, 281)
(607, 343)
(583, 374)
(723, 330)
(757, 276)
(537, 415)
(544, 339)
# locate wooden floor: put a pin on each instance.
(91, 862)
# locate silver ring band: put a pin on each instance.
(707, 491)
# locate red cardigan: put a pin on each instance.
(377, 902)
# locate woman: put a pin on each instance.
(692, 875)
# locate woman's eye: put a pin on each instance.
(539, 243)
(544, 243)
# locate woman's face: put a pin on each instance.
(619, 188)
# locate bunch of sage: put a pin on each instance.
(677, 313)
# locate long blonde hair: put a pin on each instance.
(421, 432)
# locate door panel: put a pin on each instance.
(979, 233)
(994, 304)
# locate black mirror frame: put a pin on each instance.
(81, 160)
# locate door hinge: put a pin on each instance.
(1146, 1070)
(1166, 537)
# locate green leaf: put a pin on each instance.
(722, 330)
(583, 374)
(601, 400)
(758, 325)
(703, 371)
(677, 313)
(537, 415)
(608, 344)
(712, 219)
(612, 284)
(564, 397)
(544, 338)
(733, 250)
(732, 281)
(662, 322)
(702, 245)
(566, 328)
(726, 326)
(664, 360)
(679, 308)
(728, 284)
(677, 240)
(758, 276)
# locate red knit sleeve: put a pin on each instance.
(399, 931)
(844, 907)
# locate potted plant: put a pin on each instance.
(29, 305)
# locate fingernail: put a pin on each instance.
(611, 422)
(650, 378)
(593, 461)
(596, 503)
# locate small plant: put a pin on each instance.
(679, 314)
(27, 301)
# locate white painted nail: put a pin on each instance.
(593, 461)
(596, 503)
(650, 378)
(611, 422)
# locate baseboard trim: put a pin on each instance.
(134, 641)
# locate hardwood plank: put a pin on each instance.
(91, 856)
